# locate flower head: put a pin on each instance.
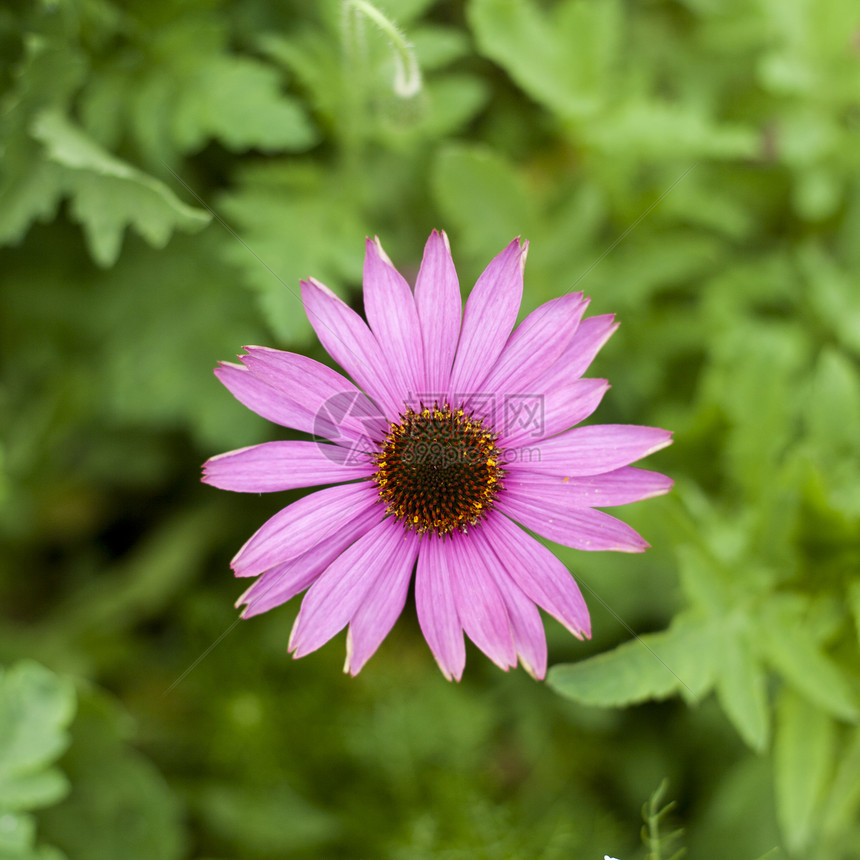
(457, 431)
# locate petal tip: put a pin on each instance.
(373, 248)
(538, 674)
(313, 285)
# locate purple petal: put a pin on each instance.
(527, 629)
(580, 528)
(299, 393)
(590, 336)
(531, 419)
(382, 604)
(274, 466)
(260, 397)
(336, 595)
(437, 613)
(540, 575)
(303, 524)
(620, 487)
(440, 308)
(272, 589)
(480, 607)
(490, 314)
(593, 449)
(526, 623)
(349, 341)
(393, 319)
(335, 408)
(284, 581)
(536, 345)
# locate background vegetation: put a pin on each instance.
(693, 165)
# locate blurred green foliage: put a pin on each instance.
(168, 172)
(35, 710)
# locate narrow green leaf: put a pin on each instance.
(108, 194)
(702, 580)
(832, 417)
(804, 745)
(788, 644)
(741, 691)
(841, 808)
(832, 293)
(653, 666)
(834, 406)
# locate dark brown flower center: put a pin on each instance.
(438, 470)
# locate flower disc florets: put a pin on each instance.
(438, 470)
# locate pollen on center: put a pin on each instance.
(438, 470)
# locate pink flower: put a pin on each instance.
(456, 433)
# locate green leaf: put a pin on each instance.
(451, 101)
(32, 790)
(35, 709)
(237, 100)
(108, 194)
(294, 224)
(17, 837)
(47, 73)
(741, 690)
(703, 580)
(743, 355)
(834, 404)
(818, 193)
(804, 745)
(833, 294)
(30, 192)
(654, 130)
(562, 62)
(787, 643)
(841, 807)
(653, 666)
(437, 47)
(832, 417)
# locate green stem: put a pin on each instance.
(408, 81)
